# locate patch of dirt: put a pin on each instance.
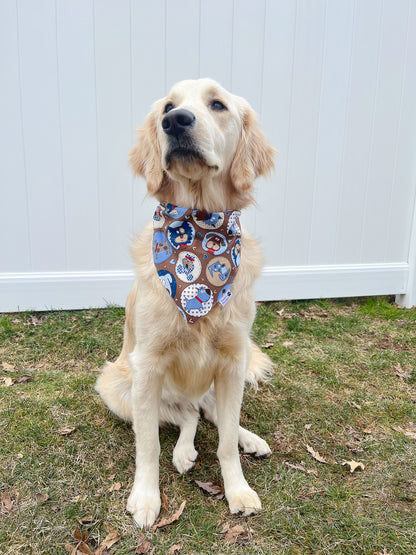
(385, 343)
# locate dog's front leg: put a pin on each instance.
(144, 500)
(229, 386)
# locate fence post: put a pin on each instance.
(408, 299)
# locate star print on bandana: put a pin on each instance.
(196, 255)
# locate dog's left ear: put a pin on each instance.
(254, 155)
(145, 156)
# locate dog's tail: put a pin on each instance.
(260, 367)
(114, 382)
(114, 386)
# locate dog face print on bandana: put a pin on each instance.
(196, 255)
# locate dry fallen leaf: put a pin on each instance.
(267, 345)
(316, 455)
(409, 430)
(112, 537)
(7, 367)
(86, 519)
(115, 487)
(403, 374)
(144, 545)
(308, 426)
(41, 497)
(287, 343)
(177, 548)
(6, 502)
(66, 431)
(353, 465)
(165, 504)
(25, 378)
(301, 468)
(34, 321)
(166, 521)
(232, 534)
(83, 548)
(209, 487)
(80, 536)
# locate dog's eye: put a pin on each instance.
(218, 106)
(169, 106)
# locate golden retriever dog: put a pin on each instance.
(200, 148)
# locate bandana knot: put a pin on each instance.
(196, 255)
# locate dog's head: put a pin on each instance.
(201, 146)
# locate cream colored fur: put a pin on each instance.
(169, 370)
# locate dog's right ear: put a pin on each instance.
(145, 158)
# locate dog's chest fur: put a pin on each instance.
(190, 356)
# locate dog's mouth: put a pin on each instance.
(184, 151)
(183, 154)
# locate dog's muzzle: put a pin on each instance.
(177, 122)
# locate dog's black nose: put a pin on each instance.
(177, 122)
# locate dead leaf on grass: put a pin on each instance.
(144, 545)
(67, 430)
(384, 552)
(287, 343)
(409, 430)
(353, 465)
(177, 548)
(355, 405)
(316, 455)
(41, 497)
(211, 488)
(233, 534)
(86, 519)
(33, 321)
(165, 504)
(401, 373)
(8, 381)
(113, 537)
(25, 378)
(267, 345)
(301, 468)
(80, 536)
(6, 502)
(308, 426)
(166, 521)
(115, 487)
(81, 546)
(8, 367)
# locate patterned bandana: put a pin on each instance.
(196, 255)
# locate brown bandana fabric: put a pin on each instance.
(196, 255)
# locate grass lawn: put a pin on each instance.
(344, 388)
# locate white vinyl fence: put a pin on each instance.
(334, 83)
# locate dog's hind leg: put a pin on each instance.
(186, 418)
(249, 442)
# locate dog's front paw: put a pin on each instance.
(243, 500)
(184, 457)
(144, 506)
(253, 444)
